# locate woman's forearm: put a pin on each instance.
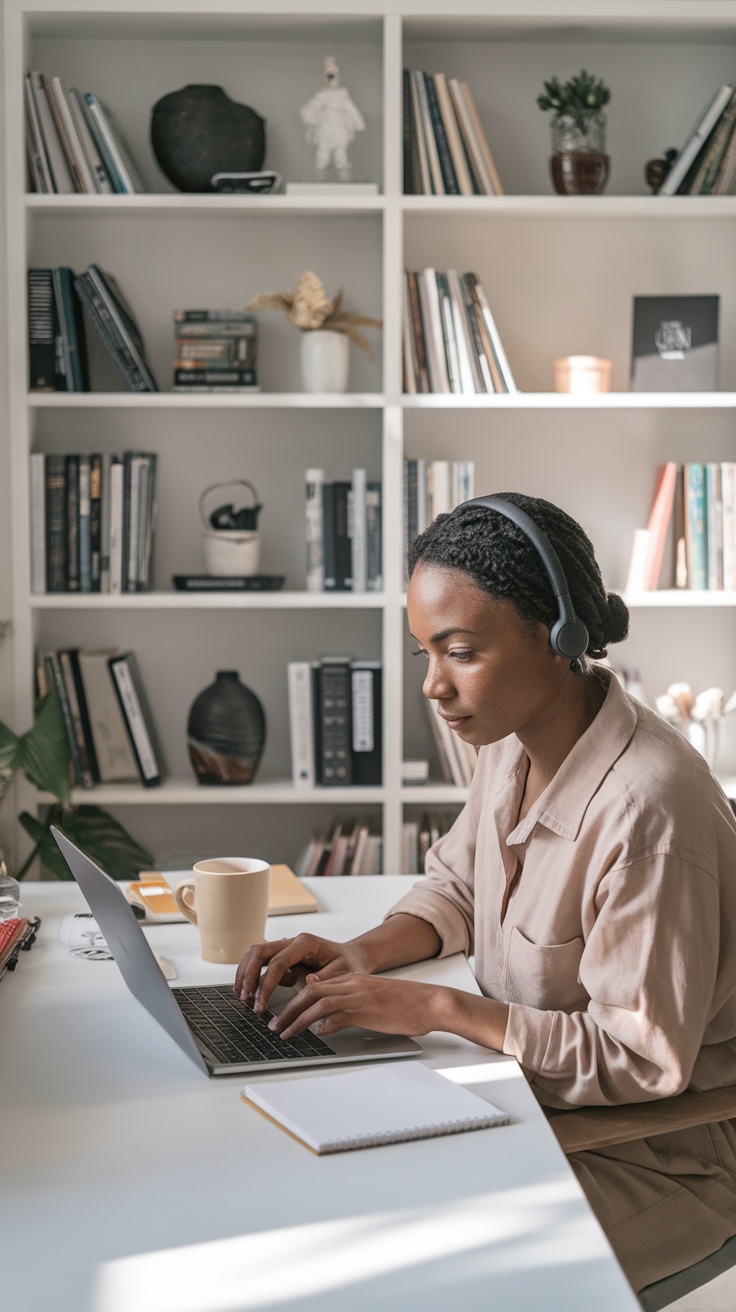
(481, 1020)
(399, 941)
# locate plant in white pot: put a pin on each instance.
(327, 330)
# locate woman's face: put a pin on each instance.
(491, 672)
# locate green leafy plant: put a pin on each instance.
(580, 95)
(42, 755)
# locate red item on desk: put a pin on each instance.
(15, 935)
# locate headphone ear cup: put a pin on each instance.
(569, 638)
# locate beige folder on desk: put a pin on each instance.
(288, 896)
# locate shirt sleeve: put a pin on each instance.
(649, 967)
(445, 897)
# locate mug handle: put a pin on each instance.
(184, 905)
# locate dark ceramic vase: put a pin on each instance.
(200, 131)
(226, 731)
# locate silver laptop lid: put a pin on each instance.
(129, 946)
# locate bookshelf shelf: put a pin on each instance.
(209, 206)
(209, 401)
(560, 273)
(209, 601)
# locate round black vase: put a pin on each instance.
(199, 131)
(226, 731)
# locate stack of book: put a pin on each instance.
(450, 339)
(445, 148)
(57, 347)
(343, 534)
(73, 144)
(432, 488)
(706, 164)
(92, 519)
(108, 723)
(215, 351)
(335, 722)
(350, 847)
(694, 507)
(417, 836)
(457, 758)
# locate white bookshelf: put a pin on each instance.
(560, 273)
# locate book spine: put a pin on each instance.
(73, 147)
(452, 135)
(301, 715)
(98, 172)
(38, 523)
(343, 552)
(423, 384)
(105, 466)
(471, 378)
(374, 538)
(412, 499)
(95, 522)
(441, 488)
(72, 523)
(117, 324)
(81, 700)
(195, 376)
(438, 128)
(409, 352)
(71, 331)
(695, 142)
(714, 520)
(85, 525)
(482, 181)
(315, 541)
(149, 509)
(328, 522)
(434, 336)
(245, 319)
(127, 686)
(132, 381)
(659, 522)
(422, 496)
(495, 339)
(433, 159)
(448, 334)
(41, 168)
(472, 319)
(113, 159)
(424, 180)
(56, 517)
(407, 133)
(116, 525)
(85, 774)
(63, 183)
(56, 681)
(696, 527)
(480, 137)
(334, 715)
(358, 532)
(112, 750)
(728, 484)
(366, 717)
(41, 331)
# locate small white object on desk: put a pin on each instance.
(365, 1108)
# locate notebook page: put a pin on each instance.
(373, 1105)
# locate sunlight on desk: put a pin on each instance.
(517, 1230)
(491, 1070)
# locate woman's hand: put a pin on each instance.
(391, 1006)
(266, 965)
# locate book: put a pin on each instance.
(111, 743)
(228, 583)
(358, 531)
(696, 526)
(675, 344)
(423, 175)
(374, 536)
(40, 168)
(137, 717)
(38, 523)
(333, 740)
(679, 547)
(85, 528)
(406, 142)
(695, 141)
(78, 166)
(342, 545)
(112, 147)
(55, 680)
(714, 521)
(118, 325)
(437, 185)
(82, 757)
(452, 135)
(56, 523)
(72, 523)
(496, 353)
(417, 329)
(301, 723)
(41, 331)
(659, 522)
(100, 177)
(63, 183)
(448, 334)
(449, 179)
(391, 1103)
(366, 721)
(71, 349)
(728, 490)
(710, 164)
(95, 522)
(475, 139)
(429, 301)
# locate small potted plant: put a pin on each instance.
(327, 331)
(579, 161)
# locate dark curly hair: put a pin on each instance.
(501, 560)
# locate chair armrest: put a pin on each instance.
(599, 1127)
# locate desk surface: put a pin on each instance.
(131, 1183)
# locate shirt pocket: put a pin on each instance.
(546, 975)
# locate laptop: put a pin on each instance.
(218, 1032)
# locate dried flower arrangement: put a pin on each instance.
(309, 309)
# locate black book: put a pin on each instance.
(56, 681)
(137, 717)
(115, 323)
(343, 549)
(89, 745)
(334, 714)
(328, 535)
(72, 523)
(55, 523)
(366, 720)
(71, 349)
(41, 331)
(407, 134)
(438, 128)
(95, 521)
(228, 583)
(86, 778)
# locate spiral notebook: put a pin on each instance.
(368, 1107)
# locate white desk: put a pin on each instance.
(131, 1183)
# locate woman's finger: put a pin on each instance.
(320, 1010)
(303, 948)
(248, 972)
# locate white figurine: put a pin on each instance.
(332, 120)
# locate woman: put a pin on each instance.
(592, 873)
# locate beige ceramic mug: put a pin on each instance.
(227, 899)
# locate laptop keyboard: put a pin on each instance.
(234, 1033)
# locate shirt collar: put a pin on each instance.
(566, 798)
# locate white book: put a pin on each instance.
(38, 523)
(39, 163)
(439, 379)
(471, 380)
(301, 723)
(496, 342)
(728, 486)
(315, 535)
(357, 529)
(72, 136)
(695, 141)
(363, 1108)
(423, 520)
(450, 339)
(116, 525)
(60, 173)
(454, 142)
(636, 577)
(478, 163)
(115, 759)
(440, 483)
(130, 704)
(92, 155)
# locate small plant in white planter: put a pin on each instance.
(327, 331)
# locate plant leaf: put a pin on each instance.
(45, 846)
(9, 748)
(103, 839)
(44, 750)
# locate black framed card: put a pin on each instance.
(675, 344)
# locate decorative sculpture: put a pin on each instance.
(332, 120)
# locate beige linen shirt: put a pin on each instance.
(606, 918)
